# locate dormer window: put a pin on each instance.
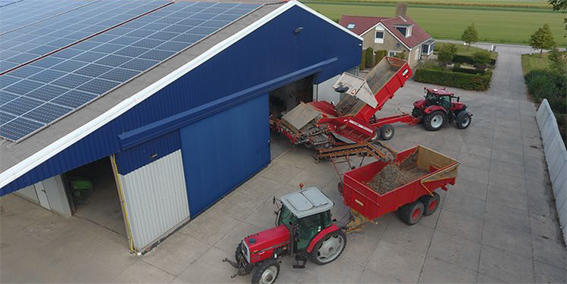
(404, 30)
(350, 26)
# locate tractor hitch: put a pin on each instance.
(242, 269)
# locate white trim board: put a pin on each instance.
(56, 147)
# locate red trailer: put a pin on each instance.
(413, 199)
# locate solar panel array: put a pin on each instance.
(35, 95)
(4, 3)
(31, 41)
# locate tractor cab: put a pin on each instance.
(305, 213)
(440, 97)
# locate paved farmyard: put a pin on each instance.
(498, 224)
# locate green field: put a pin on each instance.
(504, 24)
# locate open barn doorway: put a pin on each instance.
(283, 100)
(94, 195)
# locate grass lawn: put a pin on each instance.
(463, 50)
(534, 61)
(494, 24)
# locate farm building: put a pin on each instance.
(139, 115)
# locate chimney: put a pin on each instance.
(401, 9)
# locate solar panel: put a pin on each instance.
(37, 94)
(79, 19)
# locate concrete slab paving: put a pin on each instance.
(497, 224)
(439, 271)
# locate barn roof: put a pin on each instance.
(18, 158)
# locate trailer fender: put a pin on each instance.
(321, 235)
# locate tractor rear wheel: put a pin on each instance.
(430, 203)
(434, 120)
(464, 119)
(412, 213)
(266, 272)
(386, 132)
(329, 248)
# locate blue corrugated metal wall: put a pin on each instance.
(269, 53)
(143, 154)
(222, 151)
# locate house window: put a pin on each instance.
(350, 26)
(402, 30)
(392, 53)
(379, 36)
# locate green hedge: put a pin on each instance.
(453, 79)
(469, 60)
(468, 71)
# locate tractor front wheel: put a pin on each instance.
(463, 119)
(329, 248)
(266, 272)
(435, 120)
(386, 132)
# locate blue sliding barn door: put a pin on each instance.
(224, 150)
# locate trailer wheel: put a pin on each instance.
(340, 187)
(464, 119)
(435, 120)
(412, 213)
(386, 132)
(329, 248)
(266, 272)
(430, 203)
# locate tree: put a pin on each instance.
(379, 55)
(481, 59)
(470, 35)
(446, 53)
(560, 5)
(369, 60)
(542, 39)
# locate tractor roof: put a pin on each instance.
(307, 202)
(440, 92)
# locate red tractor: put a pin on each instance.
(304, 229)
(440, 107)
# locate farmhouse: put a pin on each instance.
(139, 115)
(397, 35)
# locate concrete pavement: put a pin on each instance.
(497, 224)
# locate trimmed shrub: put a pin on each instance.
(468, 71)
(369, 58)
(362, 61)
(379, 55)
(453, 79)
(469, 60)
(550, 85)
